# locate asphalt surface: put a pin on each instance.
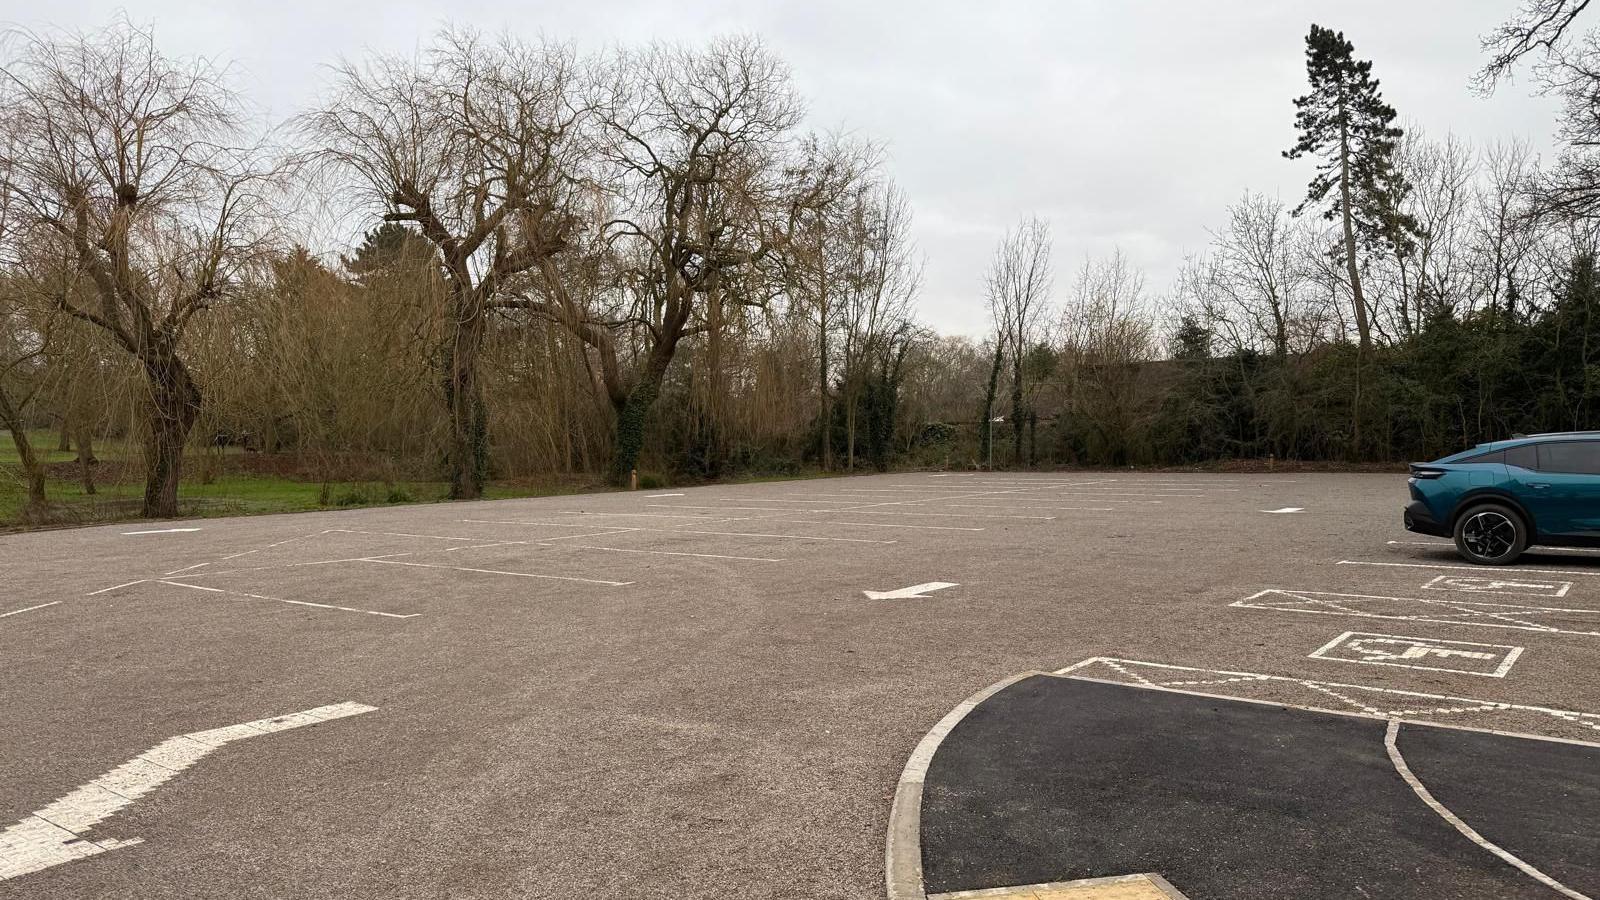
(1058, 778)
(676, 726)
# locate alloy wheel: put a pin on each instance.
(1489, 534)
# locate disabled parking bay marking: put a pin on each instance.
(1521, 587)
(1466, 657)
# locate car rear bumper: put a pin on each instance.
(1420, 519)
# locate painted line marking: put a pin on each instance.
(186, 569)
(1448, 705)
(914, 592)
(298, 537)
(1286, 509)
(116, 587)
(397, 562)
(955, 515)
(660, 496)
(676, 553)
(1144, 886)
(1422, 792)
(1401, 652)
(1468, 584)
(1536, 548)
(18, 612)
(1447, 612)
(216, 590)
(55, 834)
(877, 524)
(628, 515)
(790, 537)
(1400, 565)
(162, 531)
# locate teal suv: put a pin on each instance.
(1497, 499)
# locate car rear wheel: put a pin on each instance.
(1491, 534)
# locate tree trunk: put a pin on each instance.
(469, 419)
(633, 414)
(822, 388)
(986, 427)
(1018, 419)
(83, 437)
(32, 470)
(1357, 298)
(631, 421)
(174, 407)
(850, 434)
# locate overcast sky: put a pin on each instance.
(1125, 124)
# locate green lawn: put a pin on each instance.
(224, 495)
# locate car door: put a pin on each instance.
(1564, 494)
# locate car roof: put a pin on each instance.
(1523, 440)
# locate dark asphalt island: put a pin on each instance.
(1054, 779)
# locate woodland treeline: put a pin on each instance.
(498, 258)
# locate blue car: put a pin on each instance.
(1497, 499)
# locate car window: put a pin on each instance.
(1572, 457)
(1493, 456)
(1523, 457)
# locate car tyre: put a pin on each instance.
(1491, 534)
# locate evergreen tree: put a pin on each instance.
(1344, 121)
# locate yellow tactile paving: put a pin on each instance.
(1128, 887)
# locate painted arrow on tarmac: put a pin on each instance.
(910, 593)
(55, 834)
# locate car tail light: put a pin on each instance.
(1424, 473)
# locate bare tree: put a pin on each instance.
(877, 286)
(475, 144)
(1018, 290)
(827, 171)
(1251, 282)
(690, 145)
(133, 168)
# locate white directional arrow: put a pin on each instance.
(910, 593)
(55, 834)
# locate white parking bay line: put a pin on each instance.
(1400, 565)
(877, 524)
(397, 562)
(213, 590)
(854, 509)
(55, 833)
(1447, 545)
(674, 553)
(18, 612)
(1286, 509)
(162, 531)
(790, 537)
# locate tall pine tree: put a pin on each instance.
(1344, 122)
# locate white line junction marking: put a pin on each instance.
(1444, 611)
(1488, 660)
(55, 834)
(915, 592)
(1418, 706)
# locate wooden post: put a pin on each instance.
(633, 480)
